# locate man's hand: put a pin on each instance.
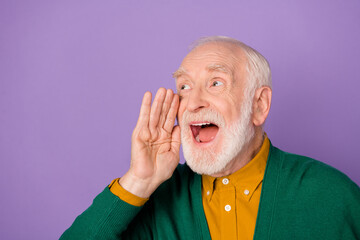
(155, 144)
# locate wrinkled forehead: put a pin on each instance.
(225, 57)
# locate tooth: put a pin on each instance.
(197, 138)
(200, 124)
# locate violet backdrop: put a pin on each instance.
(72, 75)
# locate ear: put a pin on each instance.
(261, 105)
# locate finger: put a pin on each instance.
(175, 140)
(156, 110)
(144, 115)
(171, 116)
(166, 107)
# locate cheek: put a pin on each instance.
(228, 110)
(181, 111)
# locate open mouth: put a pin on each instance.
(204, 132)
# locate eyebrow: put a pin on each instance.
(181, 71)
(219, 68)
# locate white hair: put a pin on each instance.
(257, 67)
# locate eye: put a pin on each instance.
(217, 83)
(184, 87)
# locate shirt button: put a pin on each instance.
(225, 181)
(208, 193)
(227, 208)
(246, 192)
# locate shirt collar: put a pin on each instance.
(246, 180)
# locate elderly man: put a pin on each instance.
(235, 184)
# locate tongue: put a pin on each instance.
(208, 133)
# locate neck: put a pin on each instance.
(248, 152)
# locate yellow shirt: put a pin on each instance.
(126, 196)
(230, 203)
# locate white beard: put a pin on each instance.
(233, 139)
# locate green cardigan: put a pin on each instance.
(301, 198)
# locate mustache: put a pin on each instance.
(208, 115)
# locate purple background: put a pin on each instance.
(72, 75)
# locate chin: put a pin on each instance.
(203, 158)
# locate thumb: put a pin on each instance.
(175, 139)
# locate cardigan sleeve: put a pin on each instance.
(108, 218)
(126, 196)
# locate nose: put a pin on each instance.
(196, 101)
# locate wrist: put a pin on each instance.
(139, 187)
